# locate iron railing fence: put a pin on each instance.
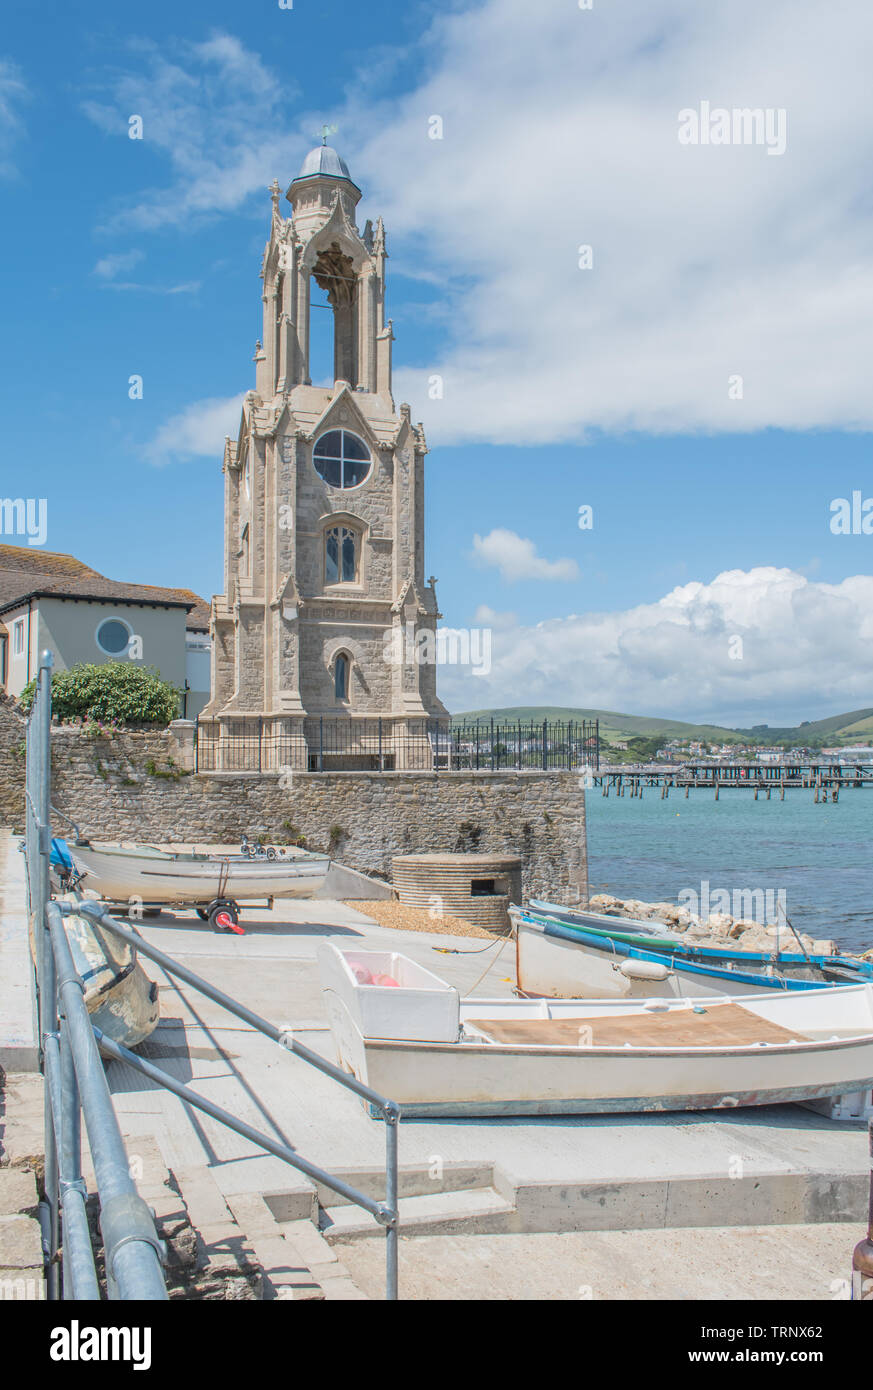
(392, 745)
(75, 1083)
(562, 745)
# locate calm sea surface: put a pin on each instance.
(821, 855)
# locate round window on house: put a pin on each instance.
(341, 459)
(113, 636)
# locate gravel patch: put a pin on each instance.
(401, 918)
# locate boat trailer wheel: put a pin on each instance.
(222, 914)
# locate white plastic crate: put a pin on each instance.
(421, 1008)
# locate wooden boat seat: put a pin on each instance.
(722, 1025)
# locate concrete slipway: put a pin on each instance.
(519, 1208)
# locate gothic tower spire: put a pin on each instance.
(324, 493)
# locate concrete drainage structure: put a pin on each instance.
(477, 888)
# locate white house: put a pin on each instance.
(55, 602)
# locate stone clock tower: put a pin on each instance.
(324, 592)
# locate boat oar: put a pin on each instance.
(63, 815)
(794, 929)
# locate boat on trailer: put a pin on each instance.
(402, 1030)
(211, 882)
(561, 955)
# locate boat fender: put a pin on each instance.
(644, 970)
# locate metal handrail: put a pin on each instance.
(75, 1082)
(386, 1213)
(133, 1253)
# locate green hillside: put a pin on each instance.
(838, 728)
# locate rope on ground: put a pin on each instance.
(453, 951)
(488, 966)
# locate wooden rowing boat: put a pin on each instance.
(558, 958)
(120, 872)
(119, 996)
(418, 1042)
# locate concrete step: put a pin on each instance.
(476, 1211)
(710, 1199)
(18, 1194)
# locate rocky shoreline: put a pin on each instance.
(719, 929)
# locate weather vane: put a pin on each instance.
(327, 130)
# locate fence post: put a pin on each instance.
(381, 763)
(321, 743)
(260, 738)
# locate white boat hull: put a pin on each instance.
(825, 1048)
(119, 996)
(155, 876)
(561, 969)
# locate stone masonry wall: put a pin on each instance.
(133, 786)
(12, 730)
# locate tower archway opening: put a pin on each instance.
(333, 277)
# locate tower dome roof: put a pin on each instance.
(324, 160)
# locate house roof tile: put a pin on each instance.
(26, 573)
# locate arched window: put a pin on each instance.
(340, 555)
(341, 459)
(341, 672)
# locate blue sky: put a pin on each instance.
(562, 386)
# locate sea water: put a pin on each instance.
(817, 858)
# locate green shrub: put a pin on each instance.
(116, 692)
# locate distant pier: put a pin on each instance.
(825, 780)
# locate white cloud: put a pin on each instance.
(216, 112)
(807, 652)
(197, 431)
(13, 93)
(488, 617)
(109, 266)
(516, 558)
(187, 287)
(708, 261)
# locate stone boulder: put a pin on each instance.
(719, 923)
(605, 902)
